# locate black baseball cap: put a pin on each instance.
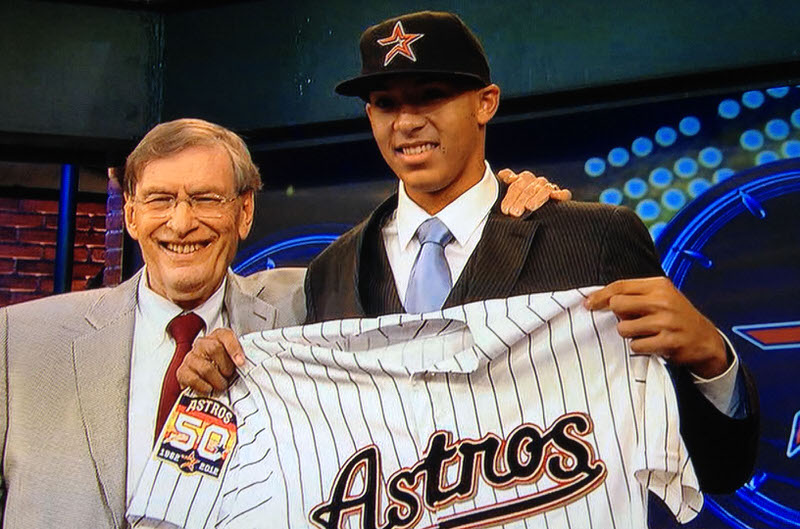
(431, 43)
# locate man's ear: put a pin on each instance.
(130, 217)
(488, 102)
(246, 214)
(368, 110)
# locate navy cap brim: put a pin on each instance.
(362, 85)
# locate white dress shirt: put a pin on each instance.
(153, 348)
(466, 218)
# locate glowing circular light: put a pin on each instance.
(710, 157)
(618, 156)
(751, 140)
(656, 229)
(611, 196)
(689, 126)
(685, 167)
(728, 109)
(722, 174)
(673, 199)
(635, 188)
(766, 157)
(778, 91)
(777, 129)
(642, 146)
(594, 167)
(660, 177)
(753, 99)
(648, 209)
(796, 118)
(666, 136)
(698, 186)
(791, 149)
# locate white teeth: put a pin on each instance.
(183, 248)
(418, 149)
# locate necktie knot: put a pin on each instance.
(433, 230)
(185, 327)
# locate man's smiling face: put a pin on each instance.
(431, 133)
(187, 250)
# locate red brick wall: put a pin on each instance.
(28, 246)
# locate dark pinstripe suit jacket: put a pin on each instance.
(559, 247)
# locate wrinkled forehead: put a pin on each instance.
(198, 167)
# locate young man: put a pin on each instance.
(429, 98)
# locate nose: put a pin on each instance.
(408, 119)
(182, 219)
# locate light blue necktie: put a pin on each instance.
(430, 282)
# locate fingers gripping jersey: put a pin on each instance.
(521, 412)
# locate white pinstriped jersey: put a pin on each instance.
(521, 412)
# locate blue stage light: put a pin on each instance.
(618, 156)
(635, 188)
(689, 126)
(656, 229)
(648, 209)
(722, 174)
(594, 167)
(660, 177)
(766, 157)
(791, 149)
(728, 109)
(685, 167)
(753, 99)
(777, 129)
(751, 140)
(611, 196)
(666, 136)
(710, 157)
(778, 91)
(796, 118)
(642, 146)
(673, 199)
(698, 186)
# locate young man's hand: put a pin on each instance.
(661, 320)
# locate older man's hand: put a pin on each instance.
(661, 320)
(528, 192)
(211, 362)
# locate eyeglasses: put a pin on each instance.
(206, 205)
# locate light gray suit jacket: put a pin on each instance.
(64, 377)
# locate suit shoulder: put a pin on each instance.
(67, 305)
(343, 245)
(271, 284)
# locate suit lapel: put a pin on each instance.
(102, 370)
(494, 267)
(247, 312)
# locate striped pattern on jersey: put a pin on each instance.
(351, 408)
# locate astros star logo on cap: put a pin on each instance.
(402, 43)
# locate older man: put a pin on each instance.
(87, 379)
(85, 376)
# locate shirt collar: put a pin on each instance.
(158, 311)
(462, 216)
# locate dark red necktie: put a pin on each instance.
(183, 329)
